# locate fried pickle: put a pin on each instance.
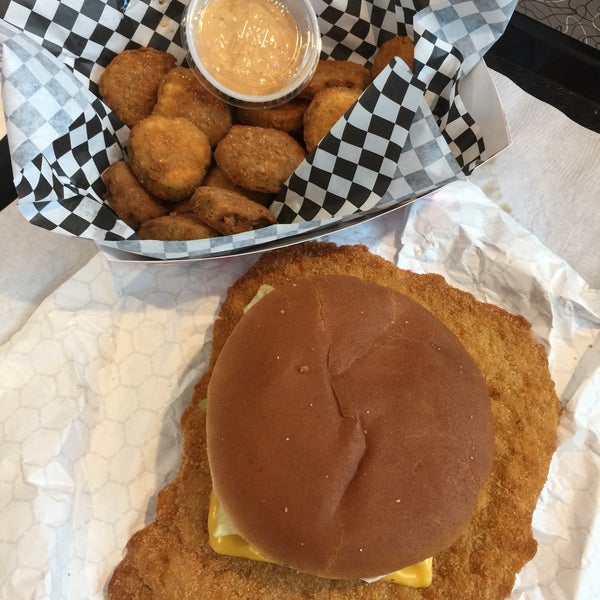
(287, 116)
(228, 211)
(337, 73)
(171, 557)
(175, 227)
(216, 178)
(401, 46)
(125, 195)
(169, 156)
(258, 158)
(130, 82)
(328, 105)
(181, 94)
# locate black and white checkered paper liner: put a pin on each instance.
(407, 134)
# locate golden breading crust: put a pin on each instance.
(173, 227)
(328, 105)
(337, 73)
(286, 116)
(169, 156)
(228, 211)
(401, 46)
(181, 94)
(258, 158)
(171, 557)
(216, 178)
(132, 203)
(130, 82)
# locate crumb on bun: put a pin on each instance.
(349, 431)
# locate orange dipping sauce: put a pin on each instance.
(250, 46)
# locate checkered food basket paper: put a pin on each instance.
(408, 134)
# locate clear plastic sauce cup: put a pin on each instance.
(252, 53)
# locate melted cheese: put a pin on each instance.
(232, 544)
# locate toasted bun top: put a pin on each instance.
(349, 432)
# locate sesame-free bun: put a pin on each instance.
(349, 432)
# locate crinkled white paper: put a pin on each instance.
(94, 383)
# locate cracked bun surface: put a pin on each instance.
(171, 556)
(349, 432)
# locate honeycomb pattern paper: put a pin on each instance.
(94, 383)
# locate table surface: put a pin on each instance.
(549, 189)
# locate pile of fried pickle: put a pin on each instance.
(197, 167)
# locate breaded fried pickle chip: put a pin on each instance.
(216, 178)
(169, 156)
(228, 211)
(401, 46)
(132, 203)
(287, 116)
(182, 95)
(258, 158)
(130, 82)
(171, 557)
(337, 73)
(328, 105)
(176, 227)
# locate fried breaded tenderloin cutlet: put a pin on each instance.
(171, 557)
(132, 203)
(337, 73)
(258, 158)
(169, 156)
(181, 94)
(401, 46)
(129, 83)
(228, 211)
(176, 227)
(286, 116)
(328, 105)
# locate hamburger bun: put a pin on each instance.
(349, 432)
(171, 556)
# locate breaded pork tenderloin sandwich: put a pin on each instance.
(361, 431)
(349, 432)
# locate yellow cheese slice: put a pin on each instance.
(232, 544)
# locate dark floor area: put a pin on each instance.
(552, 67)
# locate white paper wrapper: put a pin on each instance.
(95, 382)
(409, 132)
